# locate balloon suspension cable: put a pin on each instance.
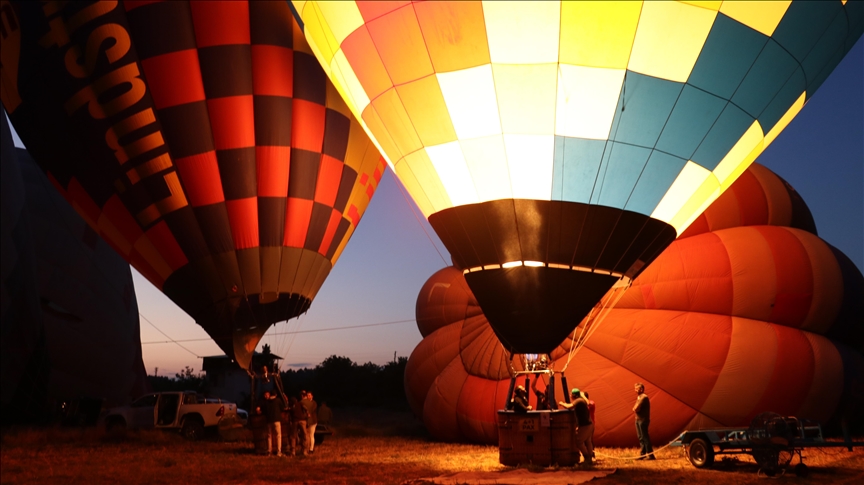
(597, 315)
(419, 222)
(294, 335)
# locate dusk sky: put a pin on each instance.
(394, 250)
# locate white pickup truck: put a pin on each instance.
(187, 411)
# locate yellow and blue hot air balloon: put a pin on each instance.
(558, 147)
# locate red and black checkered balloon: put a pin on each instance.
(202, 140)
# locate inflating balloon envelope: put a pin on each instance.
(558, 147)
(202, 140)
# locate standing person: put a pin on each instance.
(591, 408)
(299, 415)
(642, 408)
(311, 421)
(584, 425)
(273, 410)
(265, 382)
(325, 414)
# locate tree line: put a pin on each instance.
(337, 380)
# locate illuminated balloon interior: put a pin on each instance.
(558, 147)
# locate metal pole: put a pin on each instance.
(566, 390)
(508, 405)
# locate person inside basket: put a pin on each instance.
(520, 400)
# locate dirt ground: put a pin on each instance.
(376, 450)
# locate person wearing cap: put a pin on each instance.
(584, 425)
(642, 409)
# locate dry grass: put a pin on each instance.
(369, 448)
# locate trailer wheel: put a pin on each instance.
(801, 470)
(700, 453)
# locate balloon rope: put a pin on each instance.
(577, 342)
(166, 335)
(573, 339)
(414, 213)
(604, 312)
(637, 457)
(595, 318)
(294, 335)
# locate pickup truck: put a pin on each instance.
(188, 411)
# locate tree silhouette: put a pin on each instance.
(341, 382)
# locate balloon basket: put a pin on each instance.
(542, 438)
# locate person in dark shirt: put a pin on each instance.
(642, 409)
(273, 411)
(311, 421)
(542, 400)
(520, 400)
(299, 415)
(325, 414)
(584, 426)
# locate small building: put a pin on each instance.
(227, 380)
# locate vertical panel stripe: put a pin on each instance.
(174, 78)
(203, 182)
(221, 23)
(297, 222)
(243, 214)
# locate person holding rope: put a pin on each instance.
(642, 409)
(584, 425)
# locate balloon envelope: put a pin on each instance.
(557, 147)
(724, 325)
(202, 140)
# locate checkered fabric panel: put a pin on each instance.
(261, 150)
(206, 146)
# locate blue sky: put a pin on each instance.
(394, 250)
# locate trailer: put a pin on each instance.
(771, 439)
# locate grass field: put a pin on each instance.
(385, 448)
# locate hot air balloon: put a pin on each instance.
(745, 316)
(202, 140)
(65, 294)
(558, 147)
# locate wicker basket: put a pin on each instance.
(541, 438)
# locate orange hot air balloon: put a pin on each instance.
(558, 147)
(202, 140)
(747, 316)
